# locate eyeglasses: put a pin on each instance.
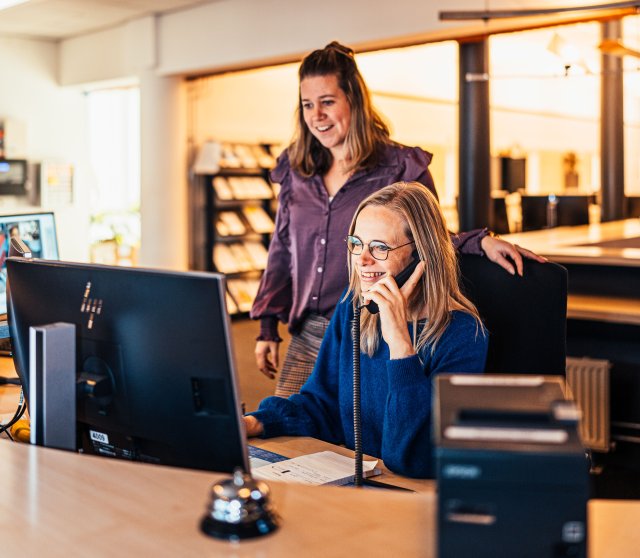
(378, 250)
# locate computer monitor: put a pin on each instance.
(38, 231)
(159, 340)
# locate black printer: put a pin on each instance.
(513, 478)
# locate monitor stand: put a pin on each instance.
(52, 385)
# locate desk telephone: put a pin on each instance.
(401, 279)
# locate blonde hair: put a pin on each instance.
(367, 131)
(438, 291)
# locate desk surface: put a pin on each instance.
(55, 503)
(604, 309)
(619, 246)
(579, 244)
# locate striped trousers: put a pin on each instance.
(301, 355)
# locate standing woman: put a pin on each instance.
(340, 154)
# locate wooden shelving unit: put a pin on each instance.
(232, 216)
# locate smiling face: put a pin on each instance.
(382, 224)
(326, 111)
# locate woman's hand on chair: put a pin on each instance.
(506, 254)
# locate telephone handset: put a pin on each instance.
(401, 279)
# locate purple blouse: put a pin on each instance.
(307, 266)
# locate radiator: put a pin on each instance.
(588, 386)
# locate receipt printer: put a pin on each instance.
(512, 474)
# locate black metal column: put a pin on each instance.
(612, 129)
(474, 149)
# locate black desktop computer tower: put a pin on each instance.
(512, 473)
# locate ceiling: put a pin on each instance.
(60, 19)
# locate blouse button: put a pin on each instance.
(323, 241)
(319, 270)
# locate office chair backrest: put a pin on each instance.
(525, 316)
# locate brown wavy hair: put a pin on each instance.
(438, 291)
(367, 131)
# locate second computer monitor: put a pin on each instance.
(158, 342)
(37, 230)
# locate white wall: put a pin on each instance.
(232, 33)
(54, 121)
(111, 54)
(239, 33)
(163, 196)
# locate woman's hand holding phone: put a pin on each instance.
(392, 302)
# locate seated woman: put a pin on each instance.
(423, 328)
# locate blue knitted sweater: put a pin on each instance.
(396, 394)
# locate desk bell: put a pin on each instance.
(240, 508)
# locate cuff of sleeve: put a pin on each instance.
(272, 414)
(478, 240)
(269, 329)
(270, 427)
(471, 241)
(405, 372)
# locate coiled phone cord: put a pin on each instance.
(357, 422)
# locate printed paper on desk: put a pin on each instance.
(325, 467)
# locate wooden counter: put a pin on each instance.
(60, 504)
(614, 243)
(603, 261)
(603, 308)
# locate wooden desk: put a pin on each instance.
(603, 308)
(613, 528)
(60, 504)
(604, 267)
(55, 503)
(598, 244)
